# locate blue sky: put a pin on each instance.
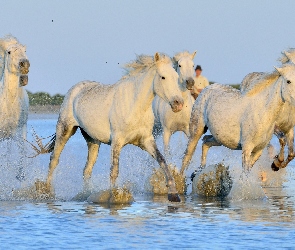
(70, 41)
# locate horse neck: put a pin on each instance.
(272, 96)
(186, 94)
(144, 94)
(10, 88)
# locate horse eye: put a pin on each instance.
(288, 81)
(179, 66)
(9, 52)
(163, 77)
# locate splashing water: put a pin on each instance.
(136, 166)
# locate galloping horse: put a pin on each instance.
(238, 120)
(14, 101)
(119, 114)
(285, 123)
(165, 118)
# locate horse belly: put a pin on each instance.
(97, 128)
(224, 124)
(92, 114)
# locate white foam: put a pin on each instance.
(246, 187)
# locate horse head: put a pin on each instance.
(166, 82)
(15, 58)
(184, 65)
(287, 72)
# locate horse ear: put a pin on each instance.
(279, 70)
(194, 54)
(289, 56)
(157, 57)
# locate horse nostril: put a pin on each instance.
(176, 102)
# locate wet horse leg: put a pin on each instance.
(166, 139)
(150, 146)
(280, 157)
(63, 133)
(290, 143)
(93, 149)
(255, 156)
(247, 158)
(191, 147)
(115, 155)
(208, 142)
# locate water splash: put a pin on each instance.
(246, 187)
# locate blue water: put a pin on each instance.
(150, 222)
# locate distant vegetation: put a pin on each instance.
(43, 98)
(236, 86)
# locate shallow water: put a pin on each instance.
(150, 222)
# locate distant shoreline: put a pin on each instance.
(44, 109)
(44, 112)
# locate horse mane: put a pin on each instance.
(143, 63)
(177, 57)
(284, 59)
(262, 83)
(1, 65)
(5, 42)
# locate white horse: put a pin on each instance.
(14, 101)
(119, 114)
(238, 120)
(285, 123)
(165, 118)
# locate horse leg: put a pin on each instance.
(280, 157)
(191, 147)
(21, 174)
(93, 149)
(255, 156)
(246, 159)
(150, 146)
(115, 155)
(290, 143)
(63, 133)
(24, 131)
(208, 142)
(166, 140)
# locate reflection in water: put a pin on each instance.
(153, 222)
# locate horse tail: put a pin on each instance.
(39, 148)
(50, 145)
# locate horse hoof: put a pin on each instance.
(174, 198)
(274, 167)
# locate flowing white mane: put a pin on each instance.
(142, 63)
(262, 83)
(177, 57)
(284, 58)
(5, 43)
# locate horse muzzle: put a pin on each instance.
(176, 104)
(23, 80)
(24, 66)
(190, 82)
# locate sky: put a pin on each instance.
(70, 41)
